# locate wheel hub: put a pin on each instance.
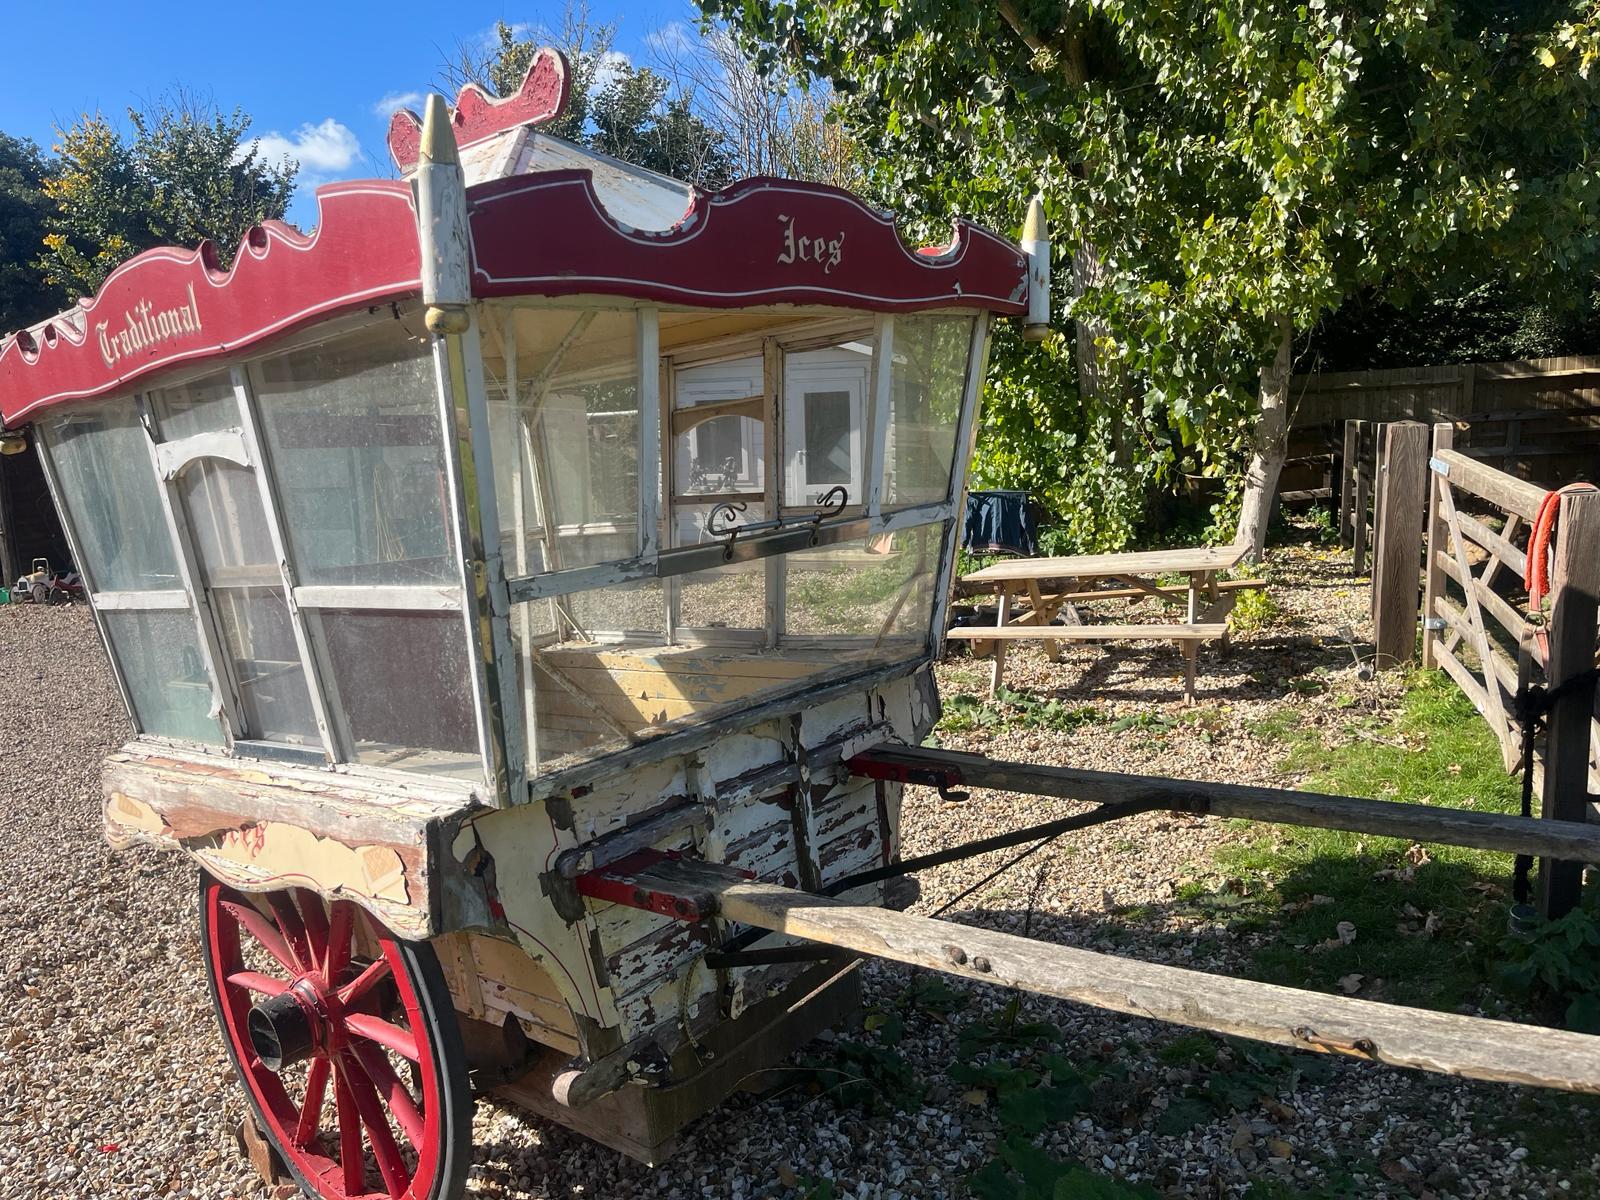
(291, 1026)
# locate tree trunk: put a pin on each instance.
(1269, 446)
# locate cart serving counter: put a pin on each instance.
(525, 589)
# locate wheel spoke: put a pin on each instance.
(379, 1135)
(387, 1034)
(294, 930)
(261, 929)
(355, 1174)
(311, 1111)
(390, 1087)
(364, 982)
(315, 919)
(341, 927)
(257, 982)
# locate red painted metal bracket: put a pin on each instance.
(883, 763)
(627, 881)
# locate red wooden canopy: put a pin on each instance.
(548, 233)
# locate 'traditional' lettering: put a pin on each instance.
(145, 328)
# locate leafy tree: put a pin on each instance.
(186, 175)
(616, 108)
(1487, 323)
(1222, 174)
(24, 295)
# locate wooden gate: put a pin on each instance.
(1479, 629)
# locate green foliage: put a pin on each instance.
(24, 296)
(1210, 171)
(1490, 322)
(870, 1076)
(187, 175)
(633, 114)
(1253, 609)
(1555, 965)
(1024, 1172)
(1018, 710)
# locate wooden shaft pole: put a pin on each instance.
(1419, 822)
(1469, 1047)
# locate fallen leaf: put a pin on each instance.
(1417, 854)
(1346, 932)
(1278, 1148)
(1411, 910)
(1432, 925)
(977, 1097)
(787, 1176)
(1351, 984)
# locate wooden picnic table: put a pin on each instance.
(1081, 577)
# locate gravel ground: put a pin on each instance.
(113, 1081)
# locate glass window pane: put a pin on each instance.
(568, 441)
(826, 397)
(719, 453)
(733, 597)
(927, 382)
(204, 406)
(229, 525)
(159, 655)
(102, 462)
(274, 703)
(352, 429)
(851, 607)
(405, 687)
(879, 590)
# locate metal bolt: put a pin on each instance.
(955, 954)
(981, 964)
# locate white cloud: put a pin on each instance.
(612, 64)
(322, 150)
(672, 40)
(393, 102)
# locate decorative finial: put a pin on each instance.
(438, 145)
(541, 99)
(1036, 246)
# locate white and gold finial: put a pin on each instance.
(1036, 246)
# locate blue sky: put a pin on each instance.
(318, 80)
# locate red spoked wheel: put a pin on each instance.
(346, 1041)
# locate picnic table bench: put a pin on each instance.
(1080, 577)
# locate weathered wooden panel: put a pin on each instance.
(259, 829)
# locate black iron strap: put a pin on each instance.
(1532, 708)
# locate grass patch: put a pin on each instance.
(1371, 915)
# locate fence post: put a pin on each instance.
(1361, 528)
(1574, 588)
(1349, 467)
(1435, 543)
(1401, 480)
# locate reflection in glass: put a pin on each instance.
(102, 462)
(927, 382)
(240, 570)
(352, 431)
(159, 656)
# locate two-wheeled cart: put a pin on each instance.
(525, 589)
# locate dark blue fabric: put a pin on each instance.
(1000, 523)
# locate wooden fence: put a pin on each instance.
(1480, 630)
(1538, 418)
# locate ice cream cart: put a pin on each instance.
(524, 588)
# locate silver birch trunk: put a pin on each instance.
(1269, 446)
